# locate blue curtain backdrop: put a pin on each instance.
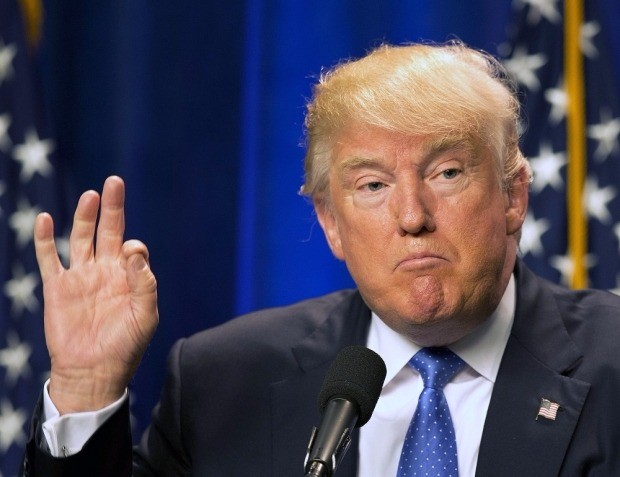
(199, 106)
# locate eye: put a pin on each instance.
(450, 173)
(374, 186)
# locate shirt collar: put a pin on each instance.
(482, 349)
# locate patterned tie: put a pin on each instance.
(430, 446)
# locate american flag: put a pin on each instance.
(28, 184)
(535, 57)
(548, 409)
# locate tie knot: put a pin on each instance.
(437, 366)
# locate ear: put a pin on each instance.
(517, 200)
(329, 224)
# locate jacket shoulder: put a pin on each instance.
(273, 324)
(589, 312)
(269, 334)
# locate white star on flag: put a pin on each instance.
(532, 233)
(11, 425)
(546, 167)
(523, 67)
(586, 38)
(15, 359)
(20, 290)
(597, 200)
(558, 99)
(539, 9)
(33, 156)
(564, 264)
(606, 133)
(22, 221)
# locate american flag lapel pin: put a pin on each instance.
(548, 409)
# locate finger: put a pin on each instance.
(142, 285)
(45, 248)
(133, 247)
(81, 244)
(112, 219)
(140, 278)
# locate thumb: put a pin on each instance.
(137, 271)
(142, 293)
(141, 280)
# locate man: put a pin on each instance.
(418, 182)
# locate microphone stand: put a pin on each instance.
(328, 445)
(318, 469)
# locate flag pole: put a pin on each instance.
(576, 141)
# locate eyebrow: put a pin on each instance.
(353, 163)
(447, 143)
(357, 162)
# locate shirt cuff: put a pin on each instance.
(66, 435)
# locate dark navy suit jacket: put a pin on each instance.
(240, 399)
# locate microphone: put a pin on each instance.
(347, 399)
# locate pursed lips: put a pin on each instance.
(421, 260)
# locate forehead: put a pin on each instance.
(357, 147)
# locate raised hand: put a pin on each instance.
(101, 312)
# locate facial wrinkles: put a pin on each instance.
(411, 202)
(429, 289)
(455, 228)
(400, 150)
(361, 155)
(440, 208)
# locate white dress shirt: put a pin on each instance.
(66, 435)
(381, 439)
(468, 394)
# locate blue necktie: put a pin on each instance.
(430, 446)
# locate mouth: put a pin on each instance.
(421, 260)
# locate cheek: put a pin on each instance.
(486, 246)
(478, 228)
(365, 243)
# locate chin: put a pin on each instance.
(436, 332)
(434, 325)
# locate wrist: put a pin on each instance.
(83, 392)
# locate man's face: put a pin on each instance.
(424, 228)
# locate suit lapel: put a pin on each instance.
(294, 399)
(514, 442)
(538, 356)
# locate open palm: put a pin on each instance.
(101, 312)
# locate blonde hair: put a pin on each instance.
(445, 91)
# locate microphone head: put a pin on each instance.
(357, 375)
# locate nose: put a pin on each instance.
(411, 204)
